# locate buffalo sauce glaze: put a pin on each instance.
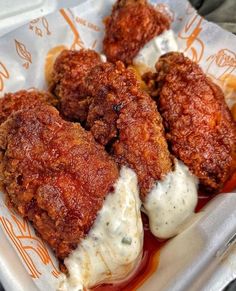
(152, 247)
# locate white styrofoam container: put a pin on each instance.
(14, 13)
(202, 257)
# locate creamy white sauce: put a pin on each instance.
(103, 58)
(150, 53)
(113, 247)
(171, 202)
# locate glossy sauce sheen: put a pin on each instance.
(151, 250)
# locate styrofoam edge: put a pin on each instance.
(10, 23)
(197, 258)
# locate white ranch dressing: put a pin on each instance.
(113, 247)
(103, 58)
(171, 202)
(148, 56)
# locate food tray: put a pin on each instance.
(203, 256)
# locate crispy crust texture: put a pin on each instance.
(12, 102)
(125, 119)
(119, 115)
(54, 174)
(70, 69)
(131, 25)
(199, 126)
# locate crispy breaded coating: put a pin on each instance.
(67, 83)
(199, 126)
(131, 25)
(125, 119)
(119, 115)
(54, 174)
(12, 102)
(111, 88)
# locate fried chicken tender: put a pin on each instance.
(131, 25)
(199, 126)
(54, 174)
(12, 102)
(125, 119)
(67, 82)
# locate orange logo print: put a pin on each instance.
(221, 64)
(24, 54)
(190, 33)
(26, 244)
(3, 75)
(77, 42)
(40, 26)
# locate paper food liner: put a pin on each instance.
(26, 60)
